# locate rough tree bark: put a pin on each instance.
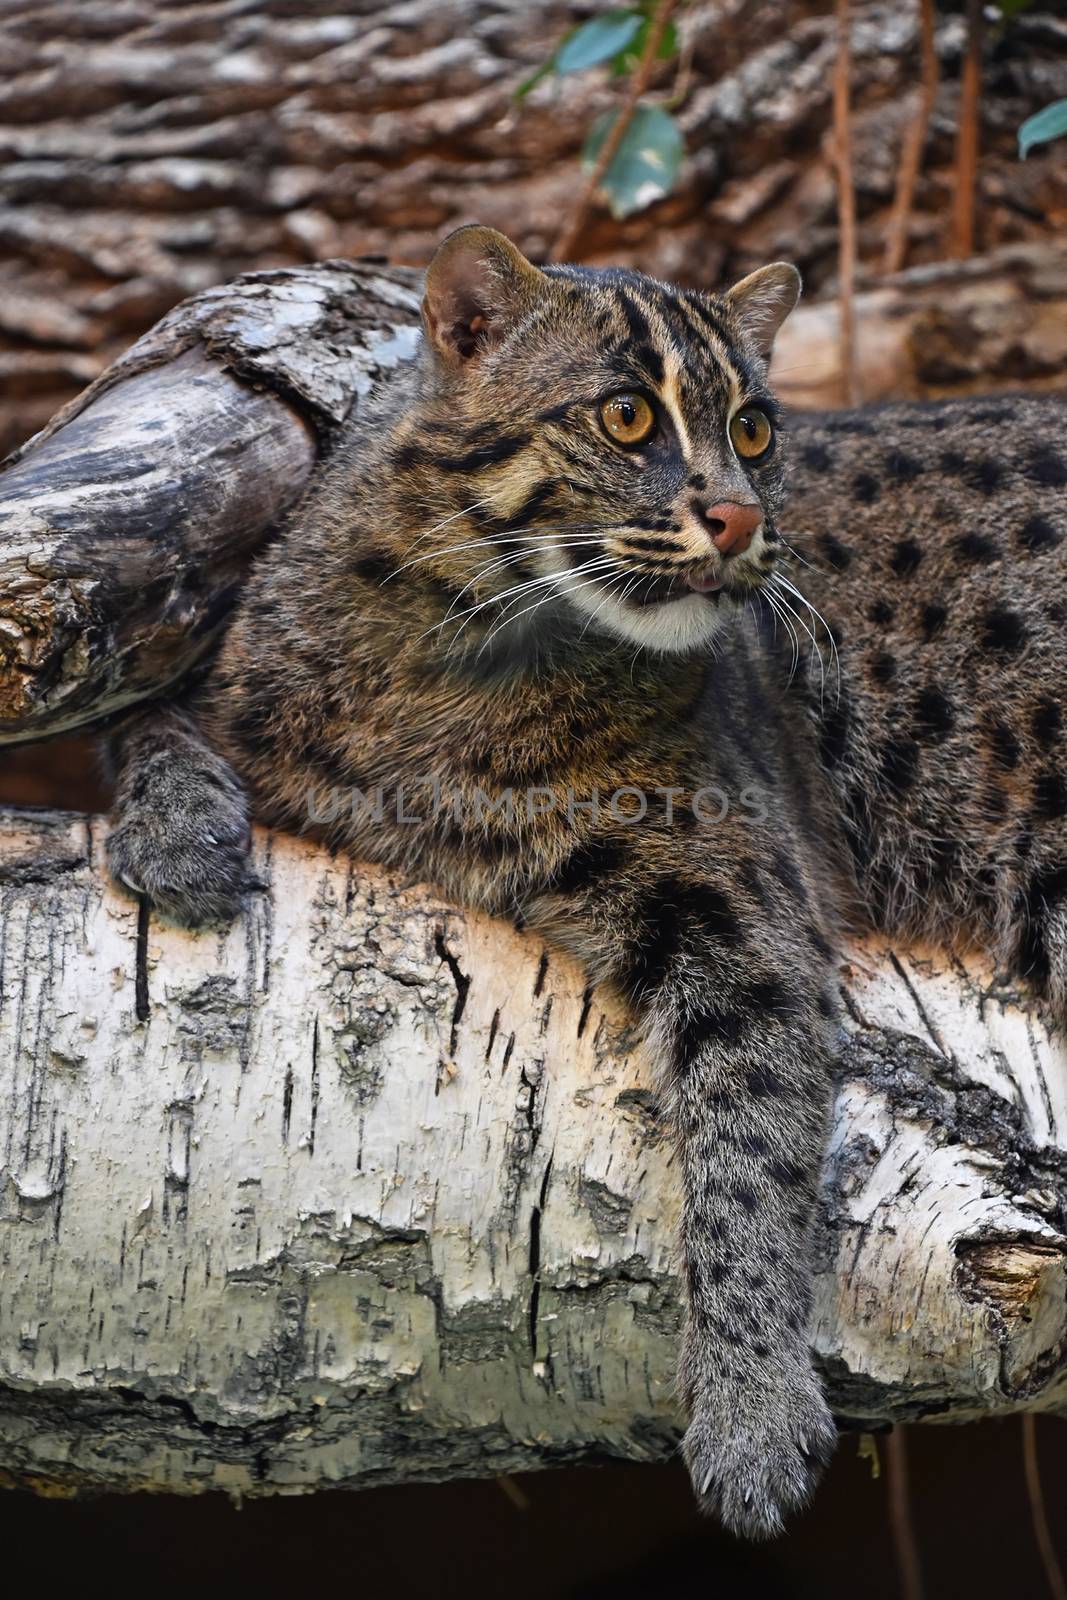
(125, 523)
(372, 1187)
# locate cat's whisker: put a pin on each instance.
(780, 616)
(818, 616)
(609, 596)
(815, 651)
(601, 567)
(466, 511)
(796, 553)
(598, 564)
(516, 592)
(774, 614)
(633, 660)
(561, 595)
(507, 560)
(483, 572)
(630, 587)
(570, 533)
(808, 632)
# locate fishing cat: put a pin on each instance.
(541, 602)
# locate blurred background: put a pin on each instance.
(151, 148)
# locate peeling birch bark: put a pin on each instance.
(369, 1188)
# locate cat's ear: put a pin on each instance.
(477, 285)
(762, 301)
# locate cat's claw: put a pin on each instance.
(754, 1470)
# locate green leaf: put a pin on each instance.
(645, 166)
(1044, 125)
(627, 59)
(597, 40)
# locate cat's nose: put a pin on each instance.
(731, 524)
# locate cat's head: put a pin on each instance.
(611, 439)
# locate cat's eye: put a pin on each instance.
(628, 419)
(751, 433)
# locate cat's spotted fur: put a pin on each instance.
(937, 541)
(486, 589)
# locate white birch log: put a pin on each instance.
(371, 1188)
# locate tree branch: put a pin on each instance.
(846, 206)
(966, 168)
(914, 141)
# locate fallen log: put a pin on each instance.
(948, 328)
(369, 1188)
(126, 523)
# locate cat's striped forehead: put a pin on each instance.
(683, 344)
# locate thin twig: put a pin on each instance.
(514, 1492)
(905, 1545)
(684, 73)
(1057, 1587)
(967, 136)
(846, 204)
(911, 150)
(570, 232)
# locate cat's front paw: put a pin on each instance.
(753, 1465)
(191, 862)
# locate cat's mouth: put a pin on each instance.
(677, 585)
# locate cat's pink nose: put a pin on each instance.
(731, 525)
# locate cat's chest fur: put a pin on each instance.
(489, 780)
